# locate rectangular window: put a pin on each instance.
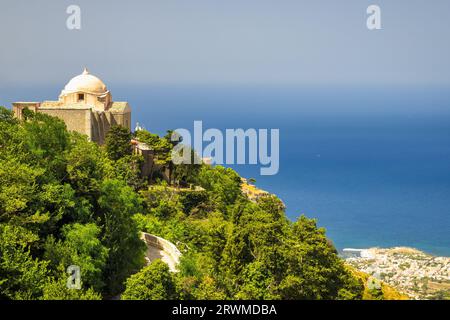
(81, 97)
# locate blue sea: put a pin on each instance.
(372, 165)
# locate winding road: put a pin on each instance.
(159, 248)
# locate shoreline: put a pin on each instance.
(435, 251)
(371, 251)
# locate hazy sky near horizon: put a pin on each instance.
(246, 42)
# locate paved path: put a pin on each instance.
(159, 248)
(154, 253)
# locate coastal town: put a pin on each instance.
(412, 272)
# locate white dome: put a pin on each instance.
(86, 82)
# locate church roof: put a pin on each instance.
(119, 106)
(85, 82)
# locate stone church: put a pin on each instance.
(85, 105)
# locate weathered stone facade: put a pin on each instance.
(85, 105)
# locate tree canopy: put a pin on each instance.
(154, 282)
(67, 201)
(63, 202)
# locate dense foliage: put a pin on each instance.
(66, 201)
(63, 201)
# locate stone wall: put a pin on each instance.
(162, 244)
(123, 119)
(85, 117)
(100, 126)
(18, 108)
(78, 120)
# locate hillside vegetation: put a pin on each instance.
(67, 201)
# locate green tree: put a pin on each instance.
(21, 275)
(19, 187)
(27, 199)
(187, 173)
(315, 271)
(154, 282)
(118, 204)
(86, 166)
(7, 116)
(162, 149)
(11, 138)
(257, 237)
(47, 139)
(222, 184)
(56, 289)
(209, 290)
(118, 142)
(81, 246)
(162, 201)
(128, 169)
(258, 283)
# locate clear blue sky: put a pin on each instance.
(278, 42)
